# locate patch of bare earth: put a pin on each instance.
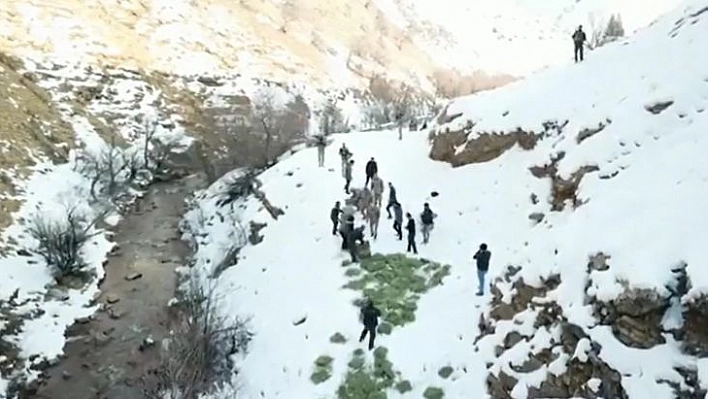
(456, 149)
(112, 354)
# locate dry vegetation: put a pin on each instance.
(451, 83)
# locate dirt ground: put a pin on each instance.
(104, 358)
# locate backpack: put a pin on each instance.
(427, 217)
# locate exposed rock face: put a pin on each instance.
(562, 190)
(485, 147)
(696, 327)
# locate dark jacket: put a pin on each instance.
(392, 195)
(410, 227)
(371, 168)
(334, 214)
(427, 216)
(370, 316)
(482, 257)
(579, 37)
(398, 213)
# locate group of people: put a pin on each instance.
(369, 202)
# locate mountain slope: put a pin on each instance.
(594, 222)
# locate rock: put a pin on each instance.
(112, 298)
(133, 276)
(65, 375)
(485, 147)
(300, 321)
(640, 302)
(23, 252)
(637, 334)
(500, 386)
(534, 198)
(83, 320)
(146, 344)
(115, 314)
(537, 217)
(511, 339)
(598, 262)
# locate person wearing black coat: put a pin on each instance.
(370, 317)
(334, 217)
(579, 39)
(482, 256)
(371, 170)
(410, 227)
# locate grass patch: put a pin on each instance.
(323, 369)
(395, 283)
(445, 372)
(365, 380)
(385, 328)
(337, 338)
(404, 386)
(433, 393)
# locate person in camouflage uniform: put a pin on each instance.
(374, 215)
(377, 188)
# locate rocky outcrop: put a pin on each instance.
(455, 148)
(562, 190)
(695, 340)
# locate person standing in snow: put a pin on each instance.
(345, 154)
(346, 227)
(374, 214)
(334, 217)
(377, 187)
(321, 143)
(411, 234)
(365, 201)
(398, 220)
(579, 41)
(426, 219)
(391, 198)
(371, 170)
(370, 318)
(482, 256)
(353, 235)
(348, 175)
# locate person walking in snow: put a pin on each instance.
(411, 234)
(579, 41)
(371, 170)
(377, 187)
(391, 198)
(374, 214)
(321, 143)
(365, 201)
(353, 235)
(482, 256)
(334, 217)
(426, 219)
(345, 154)
(348, 175)
(398, 220)
(370, 318)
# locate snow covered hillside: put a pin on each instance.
(594, 221)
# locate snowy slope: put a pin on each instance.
(643, 208)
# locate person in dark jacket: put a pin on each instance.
(370, 317)
(344, 230)
(371, 170)
(398, 220)
(345, 155)
(426, 219)
(410, 227)
(354, 235)
(482, 256)
(391, 198)
(579, 41)
(334, 217)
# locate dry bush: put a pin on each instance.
(332, 120)
(604, 31)
(109, 170)
(60, 241)
(450, 83)
(197, 356)
(390, 102)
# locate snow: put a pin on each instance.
(643, 208)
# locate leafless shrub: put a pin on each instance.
(604, 31)
(109, 170)
(241, 186)
(238, 238)
(60, 241)
(197, 356)
(332, 119)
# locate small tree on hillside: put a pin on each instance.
(332, 120)
(602, 33)
(614, 29)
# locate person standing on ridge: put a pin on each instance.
(370, 317)
(411, 234)
(398, 220)
(482, 256)
(321, 143)
(426, 219)
(371, 170)
(579, 41)
(348, 175)
(334, 217)
(377, 187)
(391, 198)
(345, 154)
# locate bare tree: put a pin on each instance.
(332, 120)
(602, 32)
(104, 169)
(197, 356)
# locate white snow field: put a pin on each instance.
(644, 207)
